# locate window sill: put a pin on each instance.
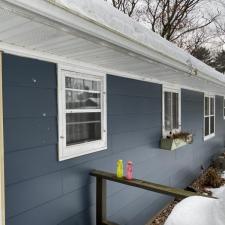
(209, 137)
(78, 154)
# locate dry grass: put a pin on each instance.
(211, 178)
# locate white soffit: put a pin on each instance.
(22, 31)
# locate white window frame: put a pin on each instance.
(213, 134)
(223, 107)
(67, 152)
(172, 89)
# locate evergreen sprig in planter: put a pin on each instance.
(176, 141)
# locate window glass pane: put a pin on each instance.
(175, 111)
(82, 127)
(82, 100)
(82, 84)
(82, 117)
(211, 106)
(212, 122)
(167, 107)
(206, 126)
(206, 106)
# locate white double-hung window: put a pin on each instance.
(171, 105)
(209, 116)
(224, 107)
(82, 113)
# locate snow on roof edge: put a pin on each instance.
(116, 20)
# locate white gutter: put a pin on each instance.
(78, 22)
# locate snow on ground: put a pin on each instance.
(194, 211)
(218, 192)
(200, 210)
(223, 175)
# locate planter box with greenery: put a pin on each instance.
(176, 141)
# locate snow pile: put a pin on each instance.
(218, 192)
(200, 210)
(104, 13)
(223, 175)
(197, 211)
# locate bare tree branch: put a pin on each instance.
(184, 22)
(126, 6)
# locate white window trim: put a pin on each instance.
(205, 138)
(174, 89)
(223, 107)
(67, 152)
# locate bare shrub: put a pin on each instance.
(212, 178)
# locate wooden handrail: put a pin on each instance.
(175, 192)
(102, 177)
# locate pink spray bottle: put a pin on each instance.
(129, 170)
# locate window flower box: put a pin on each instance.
(176, 141)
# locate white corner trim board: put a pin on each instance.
(2, 176)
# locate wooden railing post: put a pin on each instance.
(100, 200)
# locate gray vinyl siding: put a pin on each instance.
(42, 191)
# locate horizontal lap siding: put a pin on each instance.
(42, 191)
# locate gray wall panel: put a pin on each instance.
(29, 102)
(28, 72)
(29, 132)
(42, 191)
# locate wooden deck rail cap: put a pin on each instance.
(163, 189)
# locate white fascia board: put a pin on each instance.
(75, 22)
